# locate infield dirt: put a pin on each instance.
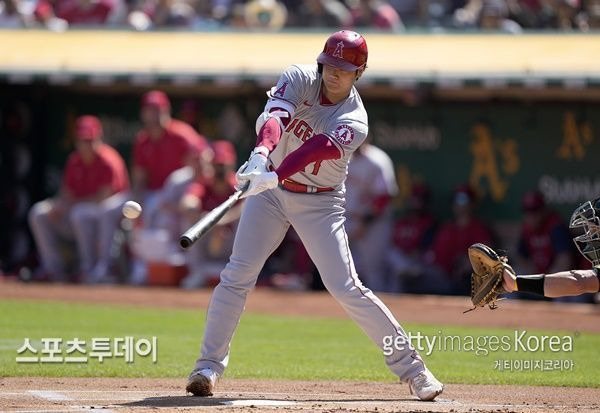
(37, 394)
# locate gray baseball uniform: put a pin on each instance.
(318, 218)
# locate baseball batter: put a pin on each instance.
(313, 121)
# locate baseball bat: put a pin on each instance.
(204, 224)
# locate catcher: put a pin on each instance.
(492, 275)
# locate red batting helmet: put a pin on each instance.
(346, 50)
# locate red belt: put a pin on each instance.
(294, 186)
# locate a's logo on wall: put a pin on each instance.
(493, 162)
(339, 50)
(344, 134)
(577, 136)
(281, 90)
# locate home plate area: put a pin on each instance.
(124, 395)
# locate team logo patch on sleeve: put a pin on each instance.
(344, 134)
(281, 90)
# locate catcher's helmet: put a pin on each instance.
(346, 50)
(587, 218)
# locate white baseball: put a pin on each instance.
(132, 209)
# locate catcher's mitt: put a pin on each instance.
(486, 279)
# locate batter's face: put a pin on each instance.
(338, 82)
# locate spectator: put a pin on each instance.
(498, 15)
(171, 13)
(163, 154)
(15, 14)
(413, 12)
(494, 17)
(447, 252)
(376, 14)
(532, 14)
(265, 14)
(466, 17)
(77, 12)
(566, 14)
(545, 244)
(589, 18)
(93, 190)
(207, 258)
(371, 186)
(319, 13)
(438, 13)
(412, 237)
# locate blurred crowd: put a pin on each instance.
(509, 16)
(177, 175)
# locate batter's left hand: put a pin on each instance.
(259, 182)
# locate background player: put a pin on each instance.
(91, 195)
(312, 123)
(207, 258)
(574, 282)
(163, 153)
(371, 185)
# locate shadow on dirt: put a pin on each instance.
(178, 401)
(190, 401)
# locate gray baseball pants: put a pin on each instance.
(319, 221)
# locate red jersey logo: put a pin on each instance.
(339, 50)
(301, 129)
(344, 134)
(281, 90)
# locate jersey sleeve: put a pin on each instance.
(289, 91)
(347, 134)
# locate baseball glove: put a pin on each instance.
(486, 279)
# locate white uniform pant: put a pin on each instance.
(155, 213)
(319, 221)
(91, 224)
